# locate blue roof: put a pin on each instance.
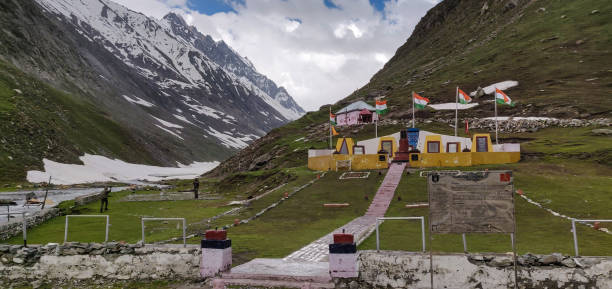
(358, 105)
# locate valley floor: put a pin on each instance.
(553, 173)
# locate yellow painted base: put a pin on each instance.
(358, 162)
(463, 159)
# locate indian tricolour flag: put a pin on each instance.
(381, 106)
(464, 98)
(419, 101)
(502, 98)
(332, 118)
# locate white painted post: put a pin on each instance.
(464, 243)
(377, 236)
(575, 238)
(66, 230)
(107, 225)
(423, 232)
(142, 226)
(25, 229)
(184, 229)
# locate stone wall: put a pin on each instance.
(90, 261)
(510, 125)
(86, 199)
(15, 227)
(397, 269)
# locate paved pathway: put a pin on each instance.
(360, 227)
(309, 264)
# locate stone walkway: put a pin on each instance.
(360, 227)
(309, 265)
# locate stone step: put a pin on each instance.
(280, 277)
(276, 284)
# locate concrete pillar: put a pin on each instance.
(216, 253)
(343, 257)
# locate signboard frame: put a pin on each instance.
(434, 177)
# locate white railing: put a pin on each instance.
(86, 216)
(401, 218)
(142, 223)
(24, 226)
(574, 230)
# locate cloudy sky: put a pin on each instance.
(319, 50)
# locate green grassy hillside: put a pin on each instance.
(38, 121)
(558, 51)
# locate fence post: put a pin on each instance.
(66, 230)
(142, 225)
(464, 243)
(377, 236)
(184, 238)
(25, 229)
(575, 237)
(423, 232)
(106, 233)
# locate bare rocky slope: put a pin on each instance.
(558, 51)
(171, 93)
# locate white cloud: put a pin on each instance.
(320, 55)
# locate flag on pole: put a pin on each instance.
(334, 132)
(332, 118)
(419, 101)
(502, 98)
(464, 98)
(381, 107)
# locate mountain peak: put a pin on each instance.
(175, 18)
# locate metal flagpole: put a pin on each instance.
(413, 109)
(330, 128)
(376, 122)
(456, 108)
(495, 103)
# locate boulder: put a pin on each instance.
(501, 262)
(602, 132)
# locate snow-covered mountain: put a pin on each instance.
(184, 96)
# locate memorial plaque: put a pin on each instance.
(471, 202)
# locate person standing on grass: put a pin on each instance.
(196, 187)
(104, 200)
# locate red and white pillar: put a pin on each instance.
(216, 253)
(343, 257)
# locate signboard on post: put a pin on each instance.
(471, 202)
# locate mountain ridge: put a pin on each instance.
(175, 102)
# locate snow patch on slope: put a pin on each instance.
(228, 140)
(102, 169)
(167, 123)
(169, 131)
(182, 118)
(138, 100)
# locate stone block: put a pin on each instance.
(343, 265)
(214, 261)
